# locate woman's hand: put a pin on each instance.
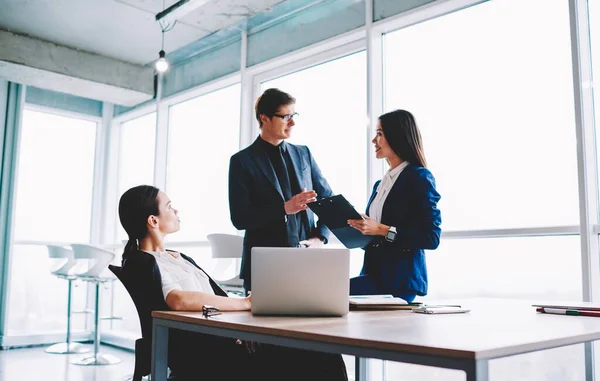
(245, 303)
(368, 226)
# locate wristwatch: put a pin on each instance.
(391, 234)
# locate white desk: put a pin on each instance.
(494, 328)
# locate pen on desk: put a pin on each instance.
(561, 311)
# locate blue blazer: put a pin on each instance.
(256, 199)
(411, 207)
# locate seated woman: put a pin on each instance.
(148, 216)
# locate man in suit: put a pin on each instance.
(272, 181)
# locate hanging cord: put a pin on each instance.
(165, 29)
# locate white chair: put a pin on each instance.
(227, 246)
(67, 262)
(97, 274)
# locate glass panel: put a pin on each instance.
(594, 11)
(331, 100)
(53, 203)
(533, 268)
(136, 156)
(203, 134)
(495, 109)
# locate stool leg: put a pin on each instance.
(68, 347)
(98, 358)
(96, 321)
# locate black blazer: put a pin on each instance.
(411, 207)
(256, 201)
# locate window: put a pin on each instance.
(493, 98)
(136, 156)
(331, 101)
(203, 134)
(53, 204)
(532, 268)
(495, 109)
(594, 12)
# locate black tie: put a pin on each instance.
(284, 182)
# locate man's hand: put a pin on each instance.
(312, 242)
(298, 202)
(369, 226)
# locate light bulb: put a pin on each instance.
(161, 64)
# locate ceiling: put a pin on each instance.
(121, 29)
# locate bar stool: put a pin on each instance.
(97, 275)
(65, 272)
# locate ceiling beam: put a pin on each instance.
(34, 62)
(178, 10)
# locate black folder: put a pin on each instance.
(334, 212)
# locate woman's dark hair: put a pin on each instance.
(402, 134)
(135, 206)
(270, 101)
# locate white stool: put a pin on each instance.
(227, 246)
(100, 258)
(65, 272)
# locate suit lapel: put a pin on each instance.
(262, 160)
(372, 198)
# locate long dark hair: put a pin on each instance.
(135, 206)
(403, 136)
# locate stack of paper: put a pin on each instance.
(376, 302)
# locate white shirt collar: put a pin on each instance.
(163, 254)
(394, 172)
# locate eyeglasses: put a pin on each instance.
(208, 311)
(286, 117)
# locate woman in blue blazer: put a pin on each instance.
(402, 214)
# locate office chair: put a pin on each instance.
(227, 246)
(143, 350)
(95, 275)
(144, 285)
(65, 272)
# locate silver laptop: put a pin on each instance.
(300, 281)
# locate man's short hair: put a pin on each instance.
(270, 101)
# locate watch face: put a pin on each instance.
(390, 236)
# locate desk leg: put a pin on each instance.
(589, 361)
(160, 352)
(478, 372)
(361, 370)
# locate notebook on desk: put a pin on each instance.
(380, 302)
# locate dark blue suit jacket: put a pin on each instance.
(411, 207)
(256, 201)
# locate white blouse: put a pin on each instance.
(386, 184)
(178, 273)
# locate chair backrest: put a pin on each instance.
(143, 349)
(100, 257)
(226, 245)
(142, 280)
(60, 252)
